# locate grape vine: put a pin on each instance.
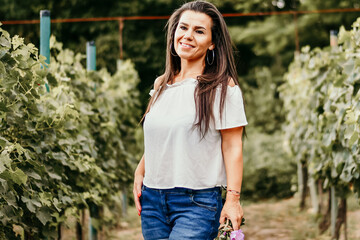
(322, 100)
(67, 149)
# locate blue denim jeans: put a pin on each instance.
(180, 213)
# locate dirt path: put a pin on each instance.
(271, 221)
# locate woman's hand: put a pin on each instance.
(138, 182)
(232, 210)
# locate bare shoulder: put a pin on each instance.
(157, 82)
(231, 82)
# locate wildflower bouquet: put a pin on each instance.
(226, 231)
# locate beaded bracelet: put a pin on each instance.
(233, 192)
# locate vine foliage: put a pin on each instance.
(64, 150)
(322, 102)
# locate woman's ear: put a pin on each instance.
(212, 47)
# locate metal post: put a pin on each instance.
(124, 202)
(333, 38)
(45, 38)
(92, 231)
(91, 66)
(90, 56)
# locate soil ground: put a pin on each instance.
(268, 220)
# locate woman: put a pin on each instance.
(193, 131)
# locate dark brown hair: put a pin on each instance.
(219, 73)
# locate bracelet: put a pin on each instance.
(233, 192)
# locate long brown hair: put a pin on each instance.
(217, 74)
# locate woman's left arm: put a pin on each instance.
(233, 158)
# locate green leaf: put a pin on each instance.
(5, 42)
(5, 160)
(66, 200)
(353, 138)
(56, 204)
(17, 41)
(9, 82)
(344, 36)
(43, 215)
(45, 198)
(351, 117)
(2, 69)
(19, 177)
(10, 199)
(349, 131)
(30, 206)
(348, 67)
(2, 166)
(54, 176)
(33, 175)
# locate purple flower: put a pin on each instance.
(237, 235)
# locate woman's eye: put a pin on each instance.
(200, 32)
(182, 27)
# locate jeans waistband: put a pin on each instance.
(183, 190)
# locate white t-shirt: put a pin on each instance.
(175, 154)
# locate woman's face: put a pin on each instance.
(193, 36)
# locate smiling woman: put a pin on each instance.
(193, 130)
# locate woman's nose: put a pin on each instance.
(188, 34)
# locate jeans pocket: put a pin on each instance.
(206, 200)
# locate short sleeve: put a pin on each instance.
(233, 112)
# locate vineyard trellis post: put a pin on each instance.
(91, 66)
(333, 45)
(91, 56)
(45, 31)
(121, 28)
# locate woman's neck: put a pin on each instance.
(190, 70)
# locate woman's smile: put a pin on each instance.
(185, 45)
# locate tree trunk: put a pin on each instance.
(320, 191)
(101, 234)
(59, 231)
(325, 221)
(85, 224)
(78, 231)
(304, 170)
(341, 219)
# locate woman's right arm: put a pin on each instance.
(138, 182)
(140, 170)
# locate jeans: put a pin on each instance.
(180, 213)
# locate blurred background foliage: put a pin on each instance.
(265, 46)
